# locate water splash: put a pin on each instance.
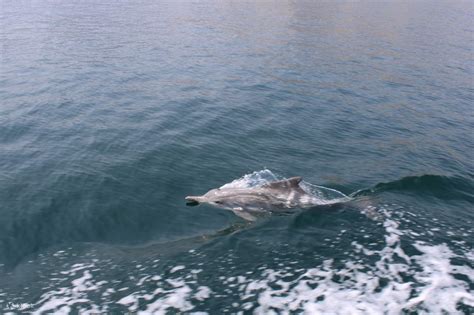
(255, 179)
(320, 195)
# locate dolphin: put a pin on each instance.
(248, 203)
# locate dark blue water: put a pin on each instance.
(112, 112)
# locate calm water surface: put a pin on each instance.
(112, 112)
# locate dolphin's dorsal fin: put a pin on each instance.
(286, 183)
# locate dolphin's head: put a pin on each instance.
(213, 197)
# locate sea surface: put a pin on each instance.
(111, 112)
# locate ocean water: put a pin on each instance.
(111, 112)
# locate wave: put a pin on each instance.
(23, 237)
(441, 187)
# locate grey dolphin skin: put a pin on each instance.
(247, 203)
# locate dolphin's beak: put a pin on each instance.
(193, 200)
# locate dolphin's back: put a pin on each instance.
(292, 183)
(274, 196)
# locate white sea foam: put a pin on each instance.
(162, 300)
(177, 268)
(434, 291)
(61, 300)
